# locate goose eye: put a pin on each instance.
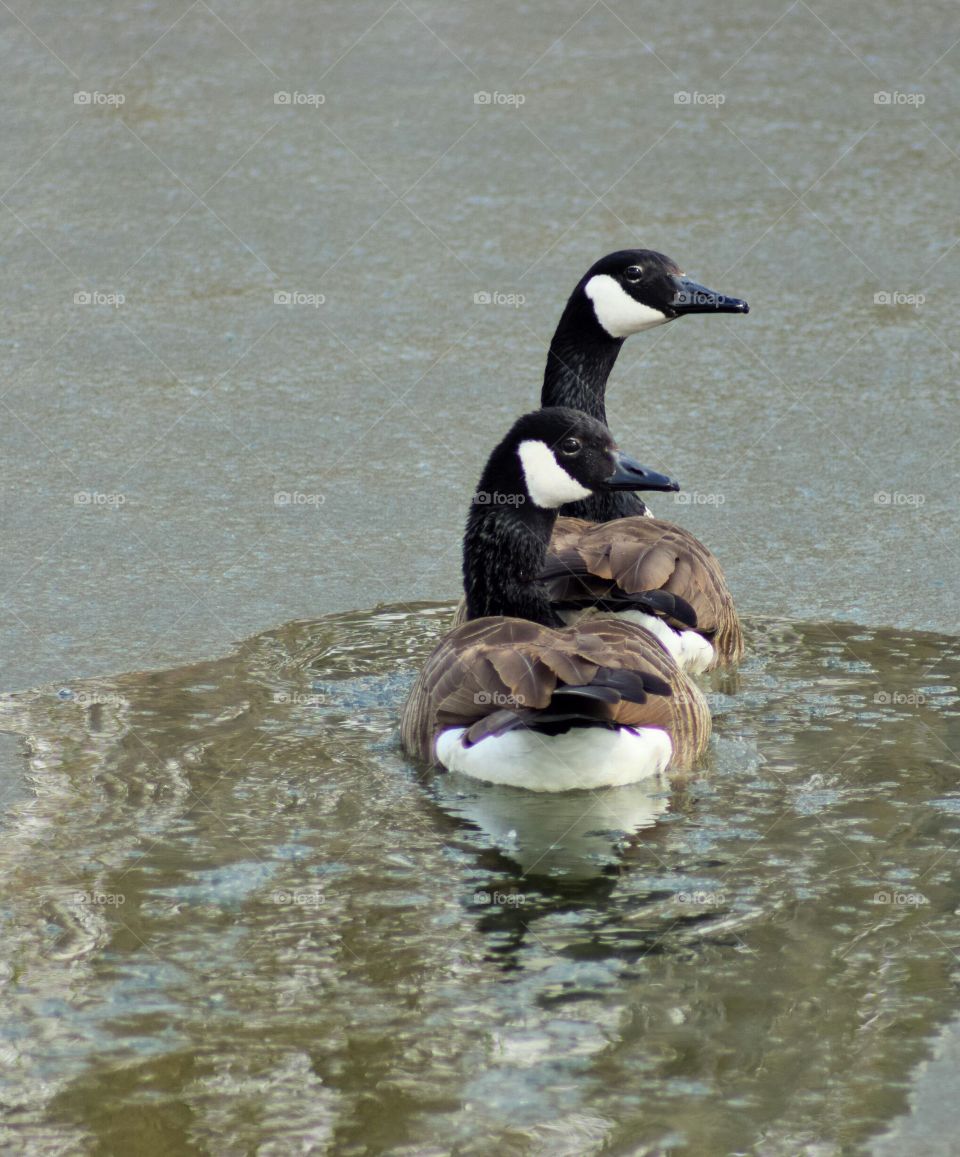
(633, 272)
(570, 447)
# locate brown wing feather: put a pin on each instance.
(642, 554)
(567, 532)
(489, 665)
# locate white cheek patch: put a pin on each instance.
(618, 313)
(548, 484)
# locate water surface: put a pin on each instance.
(236, 919)
(199, 398)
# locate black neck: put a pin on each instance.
(581, 358)
(582, 355)
(504, 549)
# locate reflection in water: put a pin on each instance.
(236, 919)
(574, 834)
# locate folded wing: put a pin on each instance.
(493, 675)
(644, 563)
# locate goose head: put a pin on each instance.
(619, 295)
(549, 458)
(636, 289)
(557, 455)
(565, 456)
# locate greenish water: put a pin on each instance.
(234, 922)
(237, 920)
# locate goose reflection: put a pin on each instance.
(576, 835)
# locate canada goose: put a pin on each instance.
(621, 294)
(512, 695)
(590, 567)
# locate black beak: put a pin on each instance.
(630, 475)
(693, 298)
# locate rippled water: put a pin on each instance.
(236, 919)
